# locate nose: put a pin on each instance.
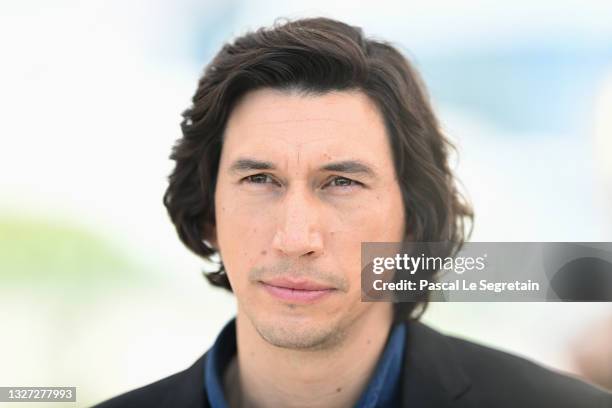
(298, 230)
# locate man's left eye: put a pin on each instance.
(343, 182)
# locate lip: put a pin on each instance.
(298, 284)
(297, 291)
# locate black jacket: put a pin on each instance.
(439, 371)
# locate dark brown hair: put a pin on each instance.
(317, 55)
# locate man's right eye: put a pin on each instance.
(258, 179)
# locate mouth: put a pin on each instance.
(297, 291)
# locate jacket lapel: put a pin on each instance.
(188, 390)
(432, 375)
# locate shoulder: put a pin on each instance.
(498, 378)
(184, 389)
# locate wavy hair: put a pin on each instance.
(318, 55)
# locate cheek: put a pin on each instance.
(381, 218)
(234, 216)
(243, 233)
(343, 254)
(386, 219)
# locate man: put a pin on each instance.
(303, 141)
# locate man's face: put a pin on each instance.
(302, 181)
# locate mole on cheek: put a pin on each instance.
(264, 252)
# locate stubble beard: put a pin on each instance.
(292, 335)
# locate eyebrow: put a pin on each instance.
(346, 166)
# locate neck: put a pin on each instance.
(264, 375)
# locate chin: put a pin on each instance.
(298, 330)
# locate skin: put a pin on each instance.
(299, 220)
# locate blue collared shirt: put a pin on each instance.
(382, 391)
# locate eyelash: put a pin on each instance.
(249, 179)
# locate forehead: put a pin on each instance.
(276, 121)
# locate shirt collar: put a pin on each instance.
(218, 357)
(381, 391)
